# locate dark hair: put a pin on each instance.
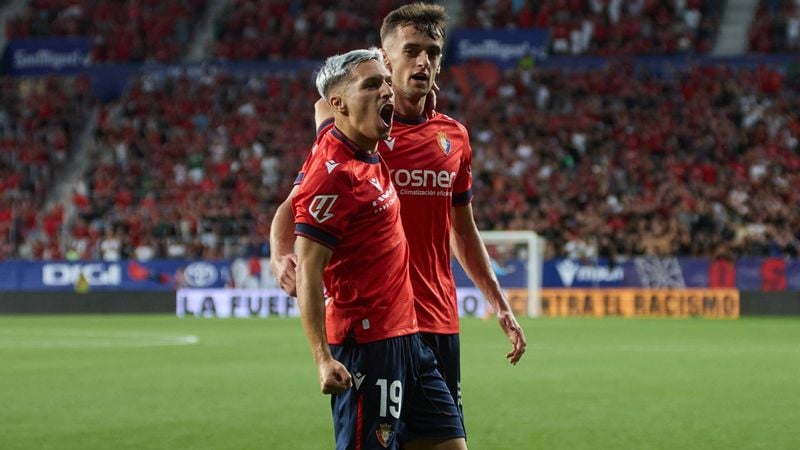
(425, 17)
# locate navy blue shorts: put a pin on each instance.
(398, 396)
(447, 350)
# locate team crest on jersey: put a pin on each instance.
(444, 143)
(385, 434)
(320, 207)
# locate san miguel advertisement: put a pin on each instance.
(502, 47)
(654, 303)
(40, 56)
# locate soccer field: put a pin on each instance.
(157, 382)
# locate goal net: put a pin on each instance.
(516, 258)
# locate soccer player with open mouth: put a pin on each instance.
(386, 389)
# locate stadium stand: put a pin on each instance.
(606, 27)
(603, 163)
(121, 31)
(620, 162)
(194, 168)
(279, 30)
(614, 162)
(40, 119)
(776, 27)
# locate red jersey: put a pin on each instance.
(346, 201)
(430, 160)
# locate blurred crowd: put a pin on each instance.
(606, 27)
(40, 119)
(120, 31)
(605, 163)
(620, 162)
(152, 30)
(192, 168)
(314, 29)
(612, 162)
(776, 27)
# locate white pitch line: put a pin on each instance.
(24, 339)
(687, 348)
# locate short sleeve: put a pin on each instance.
(462, 187)
(323, 204)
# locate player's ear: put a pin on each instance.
(338, 104)
(386, 60)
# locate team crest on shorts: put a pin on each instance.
(385, 434)
(444, 143)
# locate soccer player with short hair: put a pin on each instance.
(363, 333)
(430, 158)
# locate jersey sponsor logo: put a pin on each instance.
(358, 378)
(423, 178)
(444, 143)
(385, 434)
(374, 181)
(389, 143)
(320, 207)
(330, 165)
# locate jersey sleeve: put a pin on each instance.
(323, 204)
(462, 187)
(310, 157)
(326, 125)
(302, 174)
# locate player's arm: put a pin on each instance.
(468, 247)
(312, 258)
(282, 259)
(322, 113)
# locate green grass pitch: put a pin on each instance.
(158, 382)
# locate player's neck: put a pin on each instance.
(409, 107)
(364, 143)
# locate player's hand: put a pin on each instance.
(430, 101)
(333, 377)
(514, 333)
(284, 268)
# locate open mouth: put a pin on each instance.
(387, 112)
(420, 76)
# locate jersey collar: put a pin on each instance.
(360, 154)
(410, 120)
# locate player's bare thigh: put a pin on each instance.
(426, 444)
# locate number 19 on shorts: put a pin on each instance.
(391, 396)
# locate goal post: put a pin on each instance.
(524, 250)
